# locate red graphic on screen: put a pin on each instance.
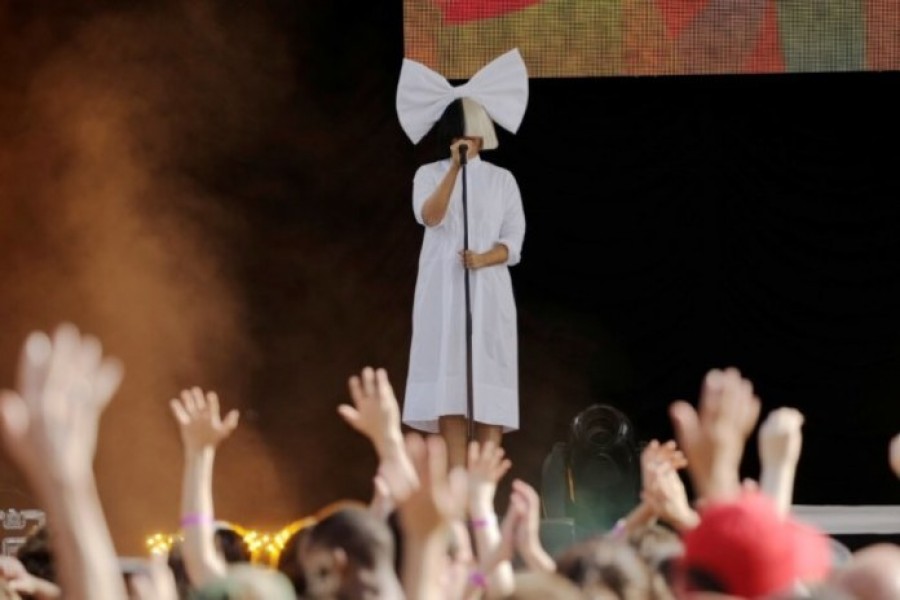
(767, 56)
(678, 14)
(464, 11)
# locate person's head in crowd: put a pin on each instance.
(744, 547)
(248, 581)
(539, 585)
(289, 558)
(605, 568)
(660, 547)
(36, 554)
(819, 591)
(872, 574)
(603, 468)
(349, 553)
(231, 544)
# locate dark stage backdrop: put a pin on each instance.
(223, 195)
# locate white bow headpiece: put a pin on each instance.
(501, 87)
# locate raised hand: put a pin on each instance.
(662, 488)
(50, 423)
(656, 454)
(427, 515)
(713, 439)
(201, 426)
(780, 438)
(376, 414)
(441, 496)
(526, 503)
(486, 467)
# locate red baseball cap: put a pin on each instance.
(745, 545)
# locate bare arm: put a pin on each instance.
(201, 432)
(435, 208)
(713, 438)
(487, 465)
(662, 488)
(50, 428)
(780, 441)
(426, 516)
(375, 413)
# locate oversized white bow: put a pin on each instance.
(501, 87)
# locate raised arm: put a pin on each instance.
(427, 515)
(780, 441)
(486, 466)
(662, 489)
(375, 413)
(713, 439)
(202, 430)
(525, 500)
(50, 425)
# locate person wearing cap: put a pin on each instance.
(745, 547)
(436, 398)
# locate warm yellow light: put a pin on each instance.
(264, 547)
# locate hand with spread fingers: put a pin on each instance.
(199, 420)
(714, 437)
(662, 488)
(202, 430)
(428, 513)
(375, 413)
(50, 425)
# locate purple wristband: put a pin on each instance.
(618, 530)
(478, 579)
(195, 519)
(479, 523)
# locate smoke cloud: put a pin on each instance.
(114, 123)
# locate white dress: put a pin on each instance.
(436, 380)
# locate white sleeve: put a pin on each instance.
(512, 230)
(424, 183)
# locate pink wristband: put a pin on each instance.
(478, 579)
(195, 519)
(479, 523)
(618, 530)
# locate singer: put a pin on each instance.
(437, 383)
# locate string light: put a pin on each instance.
(264, 547)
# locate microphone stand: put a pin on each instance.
(470, 407)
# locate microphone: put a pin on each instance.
(463, 154)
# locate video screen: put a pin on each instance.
(596, 38)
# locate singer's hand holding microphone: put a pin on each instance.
(460, 151)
